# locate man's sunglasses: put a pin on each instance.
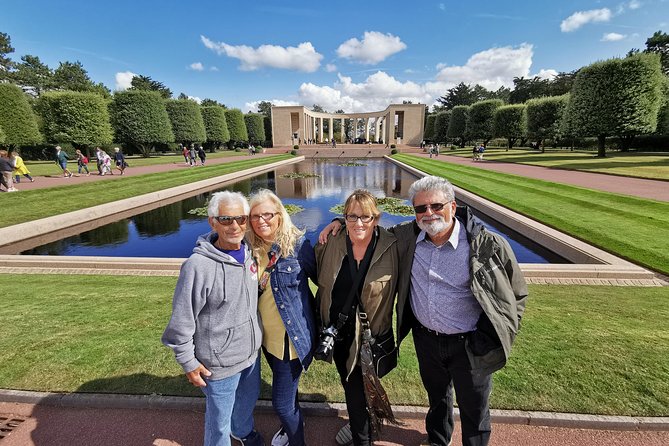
(226, 220)
(434, 206)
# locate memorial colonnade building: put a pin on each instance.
(397, 124)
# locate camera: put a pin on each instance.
(326, 343)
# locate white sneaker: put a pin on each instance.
(280, 438)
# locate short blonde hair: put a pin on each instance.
(366, 200)
(287, 234)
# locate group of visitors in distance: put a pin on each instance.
(103, 161)
(455, 285)
(12, 168)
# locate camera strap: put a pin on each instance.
(356, 275)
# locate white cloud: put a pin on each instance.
(123, 80)
(442, 6)
(213, 68)
(441, 65)
(196, 66)
(634, 4)
(195, 98)
(302, 57)
(253, 106)
(580, 18)
(330, 68)
(492, 68)
(372, 49)
(546, 74)
(612, 37)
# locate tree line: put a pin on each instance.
(621, 97)
(39, 105)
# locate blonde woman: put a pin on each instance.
(285, 261)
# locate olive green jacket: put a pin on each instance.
(379, 286)
(497, 284)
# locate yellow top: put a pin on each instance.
(274, 332)
(19, 166)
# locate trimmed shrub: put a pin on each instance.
(235, 119)
(510, 121)
(293, 152)
(392, 146)
(215, 126)
(2, 136)
(267, 122)
(78, 118)
(186, 120)
(616, 97)
(441, 122)
(429, 127)
(17, 118)
(295, 147)
(457, 125)
(255, 127)
(544, 117)
(139, 118)
(393, 151)
(480, 122)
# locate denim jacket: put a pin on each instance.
(290, 287)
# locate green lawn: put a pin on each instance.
(601, 350)
(632, 164)
(49, 168)
(40, 203)
(633, 228)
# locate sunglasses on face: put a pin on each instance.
(267, 216)
(227, 220)
(424, 207)
(352, 218)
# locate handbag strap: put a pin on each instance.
(356, 275)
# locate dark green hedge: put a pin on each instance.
(255, 127)
(186, 120)
(17, 118)
(215, 125)
(235, 119)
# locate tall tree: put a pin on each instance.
(211, 102)
(186, 120)
(480, 122)
(618, 97)
(6, 48)
(145, 83)
(265, 108)
(528, 88)
(562, 83)
(216, 126)
(659, 43)
(31, 73)
(510, 122)
(318, 108)
(457, 125)
(441, 123)
(255, 127)
(545, 117)
(235, 120)
(461, 94)
(428, 134)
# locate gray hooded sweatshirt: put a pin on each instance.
(215, 312)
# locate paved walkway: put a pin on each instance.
(59, 180)
(71, 426)
(638, 187)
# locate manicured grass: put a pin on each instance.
(581, 349)
(40, 203)
(633, 228)
(49, 168)
(642, 165)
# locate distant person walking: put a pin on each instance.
(82, 163)
(192, 154)
(105, 164)
(20, 168)
(99, 157)
(184, 152)
(120, 160)
(6, 168)
(61, 159)
(202, 155)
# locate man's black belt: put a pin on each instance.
(422, 327)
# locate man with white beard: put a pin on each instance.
(462, 294)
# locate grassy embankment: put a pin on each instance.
(40, 203)
(632, 228)
(632, 164)
(601, 350)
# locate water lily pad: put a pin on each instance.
(298, 175)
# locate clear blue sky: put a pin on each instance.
(351, 55)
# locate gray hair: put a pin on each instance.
(432, 183)
(226, 197)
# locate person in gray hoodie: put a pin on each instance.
(214, 329)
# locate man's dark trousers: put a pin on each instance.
(444, 365)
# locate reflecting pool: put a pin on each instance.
(171, 231)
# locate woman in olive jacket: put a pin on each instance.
(376, 295)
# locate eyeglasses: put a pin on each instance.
(434, 206)
(227, 220)
(352, 218)
(267, 216)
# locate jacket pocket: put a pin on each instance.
(238, 345)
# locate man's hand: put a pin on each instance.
(333, 228)
(195, 378)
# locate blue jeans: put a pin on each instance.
(229, 406)
(285, 379)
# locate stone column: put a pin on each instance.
(377, 133)
(313, 129)
(331, 129)
(320, 130)
(366, 129)
(342, 130)
(354, 128)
